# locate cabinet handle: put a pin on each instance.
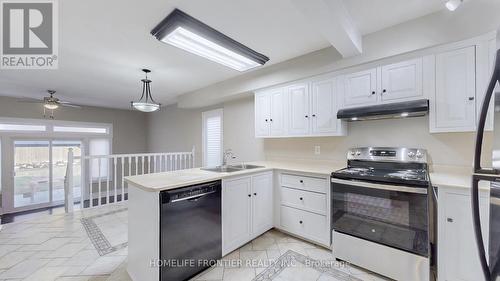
(271, 120)
(471, 98)
(301, 181)
(373, 93)
(384, 90)
(300, 222)
(249, 195)
(266, 120)
(449, 219)
(301, 198)
(255, 194)
(307, 116)
(314, 115)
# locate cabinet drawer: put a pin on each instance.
(306, 224)
(304, 183)
(305, 200)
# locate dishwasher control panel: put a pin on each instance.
(190, 192)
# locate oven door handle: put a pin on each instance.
(398, 188)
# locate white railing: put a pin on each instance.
(102, 176)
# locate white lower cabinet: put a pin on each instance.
(262, 203)
(306, 224)
(304, 207)
(247, 209)
(458, 258)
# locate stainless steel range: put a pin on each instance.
(380, 211)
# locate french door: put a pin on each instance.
(39, 171)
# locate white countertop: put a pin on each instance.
(454, 176)
(449, 176)
(175, 179)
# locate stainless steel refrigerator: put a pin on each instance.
(490, 262)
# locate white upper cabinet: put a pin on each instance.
(455, 97)
(324, 107)
(278, 103)
(452, 77)
(361, 88)
(298, 104)
(389, 83)
(270, 119)
(402, 80)
(303, 109)
(262, 114)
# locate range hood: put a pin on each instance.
(385, 111)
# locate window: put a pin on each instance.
(68, 129)
(212, 137)
(99, 147)
(22, 127)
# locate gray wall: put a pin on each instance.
(129, 127)
(175, 129)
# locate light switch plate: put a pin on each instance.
(317, 150)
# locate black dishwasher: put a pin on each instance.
(190, 230)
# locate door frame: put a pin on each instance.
(7, 149)
(8, 189)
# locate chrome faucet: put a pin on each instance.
(228, 153)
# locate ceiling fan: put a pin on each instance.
(50, 103)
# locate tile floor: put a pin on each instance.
(57, 247)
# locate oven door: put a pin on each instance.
(391, 215)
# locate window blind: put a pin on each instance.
(212, 142)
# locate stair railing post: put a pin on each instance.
(68, 183)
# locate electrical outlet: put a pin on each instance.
(317, 150)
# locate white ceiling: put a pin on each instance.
(104, 44)
(374, 15)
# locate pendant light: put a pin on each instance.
(146, 103)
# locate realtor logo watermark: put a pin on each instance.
(29, 34)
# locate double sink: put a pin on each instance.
(231, 168)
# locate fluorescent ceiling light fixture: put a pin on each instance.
(185, 32)
(452, 5)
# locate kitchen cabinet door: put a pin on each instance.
(402, 80)
(324, 108)
(262, 203)
(262, 114)
(298, 102)
(361, 88)
(278, 105)
(455, 97)
(458, 258)
(236, 208)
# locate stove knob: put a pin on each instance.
(352, 153)
(411, 154)
(419, 154)
(358, 153)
